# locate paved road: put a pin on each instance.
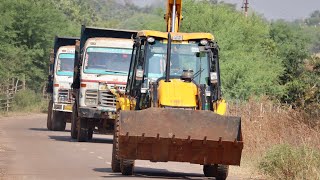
(29, 151)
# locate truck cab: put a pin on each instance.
(59, 83)
(102, 63)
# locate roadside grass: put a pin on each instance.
(27, 101)
(275, 137)
(287, 162)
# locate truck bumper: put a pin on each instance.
(97, 113)
(62, 107)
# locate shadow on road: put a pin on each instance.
(69, 139)
(45, 129)
(143, 172)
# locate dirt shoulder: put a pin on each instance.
(7, 151)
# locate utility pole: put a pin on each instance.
(245, 6)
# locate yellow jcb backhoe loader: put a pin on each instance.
(172, 109)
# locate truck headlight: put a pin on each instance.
(91, 102)
(63, 98)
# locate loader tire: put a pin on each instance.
(127, 167)
(58, 121)
(219, 171)
(49, 117)
(83, 130)
(74, 121)
(115, 162)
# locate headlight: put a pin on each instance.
(63, 98)
(91, 102)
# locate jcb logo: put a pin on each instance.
(176, 102)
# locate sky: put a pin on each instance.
(281, 9)
(272, 9)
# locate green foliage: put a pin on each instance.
(28, 100)
(288, 162)
(27, 35)
(314, 19)
(257, 58)
(249, 64)
(292, 47)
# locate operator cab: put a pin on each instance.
(179, 57)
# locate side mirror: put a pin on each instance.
(51, 56)
(139, 74)
(213, 77)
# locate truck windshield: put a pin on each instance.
(184, 56)
(65, 64)
(103, 60)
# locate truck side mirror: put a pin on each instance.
(52, 56)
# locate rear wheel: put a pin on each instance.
(58, 121)
(115, 162)
(49, 117)
(219, 171)
(74, 120)
(83, 130)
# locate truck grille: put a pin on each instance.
(107, 99)
(64, 95)
(91, 94)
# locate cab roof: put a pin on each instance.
(182, 36)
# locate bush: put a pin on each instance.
(28, 100)
(289, 162)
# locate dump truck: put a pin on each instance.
(172, 108)
(59, 83)
(101, 64)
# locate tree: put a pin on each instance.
(29, 31)
(292, 48)
(249, 63)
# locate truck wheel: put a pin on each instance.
(127, 167)
(74, 120)
(219, 171)
(58, 121)
(49, 117)
(82, 130)
(115, 162)
(90, 134)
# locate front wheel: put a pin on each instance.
(58, 121)
(83, 131)
(115, 162)
(219, 171)
(49, 117)
(74, 120)
(127, 167)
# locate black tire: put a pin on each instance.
(49, 117)
(58, 121)
(127, 167)
(83, 130)
(90, 134)
(219, 171)
(115, 162)
(74, 121)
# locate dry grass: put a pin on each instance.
(265, 125)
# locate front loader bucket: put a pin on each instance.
(161, 135)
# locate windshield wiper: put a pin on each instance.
(115, 72)
(198, 73)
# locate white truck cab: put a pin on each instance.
(102, 63)
(59, 85)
